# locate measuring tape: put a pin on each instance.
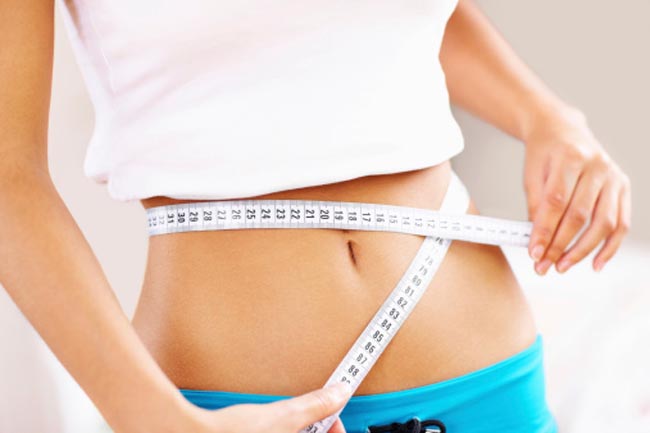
(439, 227)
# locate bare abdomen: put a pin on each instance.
(274, 311)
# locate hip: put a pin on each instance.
(246, 310)
(509, 395)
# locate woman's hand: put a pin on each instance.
(282, 416)
(568, 179)
(568, 176)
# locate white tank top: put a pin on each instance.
(209, 99)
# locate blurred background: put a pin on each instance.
(596, 325)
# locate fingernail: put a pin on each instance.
(542, 266)
(537, 252)
(563, 265)
(341, 390)
(598, 265)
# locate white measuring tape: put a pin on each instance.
(440, 228)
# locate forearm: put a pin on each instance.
(487, 78)
(51, 273)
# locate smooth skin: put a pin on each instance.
(54, 277)
(568, 176)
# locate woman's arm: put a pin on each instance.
(46, 264)
(568, 176)
(53, 276)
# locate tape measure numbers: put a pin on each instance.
(252, 214)
(439, 228)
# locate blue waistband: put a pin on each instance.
(507, 396)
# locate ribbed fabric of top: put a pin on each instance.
(208, 99)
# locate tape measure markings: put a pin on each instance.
(250, 214)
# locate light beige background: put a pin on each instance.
(594, 54)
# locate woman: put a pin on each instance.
(325, 100)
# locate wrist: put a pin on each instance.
(164, 411)
(177, 415)
(544, 118)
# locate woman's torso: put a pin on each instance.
(246, 310)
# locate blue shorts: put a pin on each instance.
(508, 396)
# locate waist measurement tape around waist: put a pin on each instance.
(439, 228)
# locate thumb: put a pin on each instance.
(313, 406)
